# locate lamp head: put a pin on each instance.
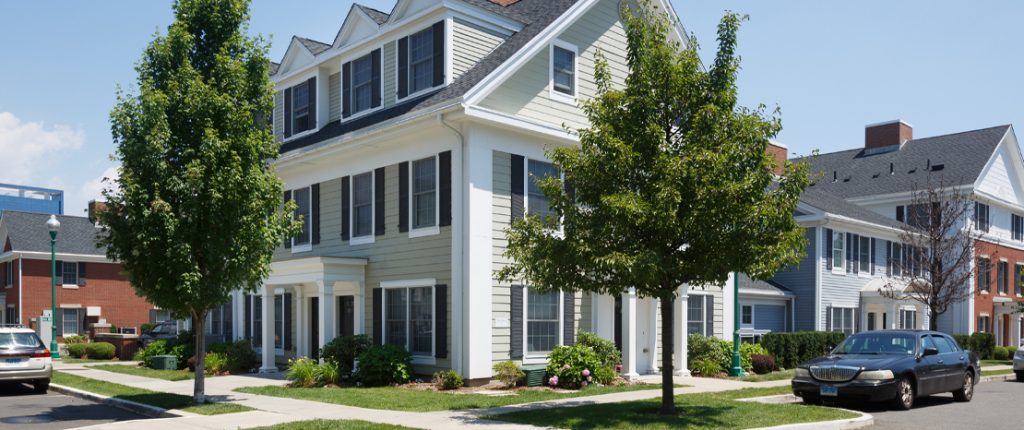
(53, 225)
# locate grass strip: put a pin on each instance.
(996, 363)
(774, 376)
(995, 372)
(168, 375)
(70, 360)
(333, 425)
(144, 396)
(405, 399)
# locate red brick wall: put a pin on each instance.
(983, 302)
(893, 133)
(105, 287)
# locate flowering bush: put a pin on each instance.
(572, 366)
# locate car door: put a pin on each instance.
(929, 375)
(952, 362)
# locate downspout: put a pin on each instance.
(460, 355)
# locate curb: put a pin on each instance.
(1006, 377)
(864, 420)
(128, 405)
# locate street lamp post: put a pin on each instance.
(53, 225)
(737, 368)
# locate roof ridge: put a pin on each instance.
(977, 130)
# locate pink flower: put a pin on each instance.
(553, 381)
(586, 372)
(590, 379)
(618, 368)
(584, 383)
(566, 366)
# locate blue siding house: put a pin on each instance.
(31, 199)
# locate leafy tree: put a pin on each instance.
(671, 184)
(195, 212)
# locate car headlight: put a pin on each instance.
(801, 373)
(876, 375)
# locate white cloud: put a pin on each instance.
(92, 190)
(30, 148)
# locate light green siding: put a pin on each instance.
(526, 92)
(279, 115)
(471, 43)
(334, 89)
(389, 57)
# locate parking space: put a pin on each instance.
(20, 408)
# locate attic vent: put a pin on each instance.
(846, 179)
(891, 171)
(834, 178)
(937, 167)
(912, 170)
(875, 176)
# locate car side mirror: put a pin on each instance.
(930, 351)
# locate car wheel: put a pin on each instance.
(1020, 376)
(904, 394)
(41, 386)
(966, 392)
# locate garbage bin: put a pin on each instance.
(164, 362)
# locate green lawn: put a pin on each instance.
(139, 395)
(996, 363)
(70, 360)
(170, 375)
(404, 399)
(332, 425)
(995, 372)
(698, 411)
(774, 376)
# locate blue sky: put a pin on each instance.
(831, 67)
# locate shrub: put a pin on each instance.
(983, 344)
(1000, 353)
(762, 364)
(326, 373)
(184, 347)
(71, 340)
(1011, 350)
(384, 365)
(605, 375)
(706, 367)
(216, 363)
(100, 350)
(791, 349)
(572, 366)
(508, 373)
(146, 327)
(157, 347)
(301, 372)
(344, 351)
(605, 349)
(702, 347)
(240, 357)
(77, 350)
(747, 352)
(964, 341)
(448, 380)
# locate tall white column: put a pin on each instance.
(359, 304)
(301, 339)
(326, 302)
(477, 316)
(680, 351)
(729, 307)
(894, 318)
(237, 313)
(629, 335)
(268, 365)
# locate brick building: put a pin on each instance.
(90, 288)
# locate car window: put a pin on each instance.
(877, 343)
(942, 344)
(19, 340)
(926, 342)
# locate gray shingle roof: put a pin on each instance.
(958, 158)
(374, 14)
(27, 232)
(313, 46)
(836, 206)
(273, 67)
(536, 15)
(746, 283)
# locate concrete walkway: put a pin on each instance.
(276, 410)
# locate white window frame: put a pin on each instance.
(540, 356)
(219, 312)
(371, 237)
(863, 271)
(11, 316)
(704, 300)
(428, 230)
(903, 312)
(78, 275)
(279, 321)
(743, 315)
(308, 246)
(984, 328)
(978, 208)
(851, 324)
(447, 58)
(1006, 277)
(526, 191)
(63, 321)
(316, 122)
(408, 285)
(552, 92)
(987, 273)
(1017, 227)
(1018, 268)
(8, 274)
(840, 266)
(352, 59)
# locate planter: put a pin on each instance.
(534, 376)
(164, 362)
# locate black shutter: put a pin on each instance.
(439, 63)
(81, 321)
(849, 253)
(709, 315)
(287, 112)
(247, 318)
(872, 255)
(287, 321)
(516, 320)
(445, 181)
(375, 91)
(378, 201)
(314, 199)
(828, 318)
(288, 198)
(58, 269)
(58, 316)
(378, 316)
(403, 197)
(441, 321)
(900, 216)
(569, 318)
(403, 67)
(518, 203)
(346, 89)
(888, 258)
(346, 208)
(81, 274)
(828, 248)
(311, 87)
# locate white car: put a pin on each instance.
(24, 358)
(1018, 364)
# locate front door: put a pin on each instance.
(644, 318)
(314, 327)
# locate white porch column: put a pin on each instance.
(360, 305)
(894, 317)
(237, 313)
(475, 318)
(301, 340)
(1015, 334)
(326, 302)
(629, 335)
(680, 351)
(729, 308)
(268, 365)
(654, 317)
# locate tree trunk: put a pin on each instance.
(199, 389)
(668, 401)
(933, 319)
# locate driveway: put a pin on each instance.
(20, 408)
(996, 406)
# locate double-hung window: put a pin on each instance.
(563, 70)
(895, 259)
(981, 219)
(11, 317)
(984, 324)
(421, 60)
(698, 311)
(301, 103)
(409, 319)
(543, 320)
(362, 205)
(69, 273)
(8, 274)
(842, 319)
(220, 321)
(304, 211)
(908, 319)
(747, 315)
(424, 193)
(1002, 277)
(838, 250)
(537, 203)
(864, 254)
(984, 274)
(1017, 224)
(362, 84)
(70, 321)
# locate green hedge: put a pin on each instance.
(791, 349)
(983, 344)
(100, 350)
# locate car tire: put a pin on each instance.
(966, 392)
(1020, 376)
(905, 393)
(41, 386)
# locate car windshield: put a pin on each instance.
(19, 341)
(877, 343)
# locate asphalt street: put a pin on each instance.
(996, 405)
(20, 408)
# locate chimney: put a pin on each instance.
(95, 208)
(780, 153)
(887, 135)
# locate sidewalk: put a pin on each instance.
(276, 410)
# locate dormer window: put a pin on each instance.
(361, 80)
(300, 108)
(421, 62)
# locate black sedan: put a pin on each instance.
(890, 365)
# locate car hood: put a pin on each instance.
(858, 360)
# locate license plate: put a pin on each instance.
(13, 362)
(829, 390)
